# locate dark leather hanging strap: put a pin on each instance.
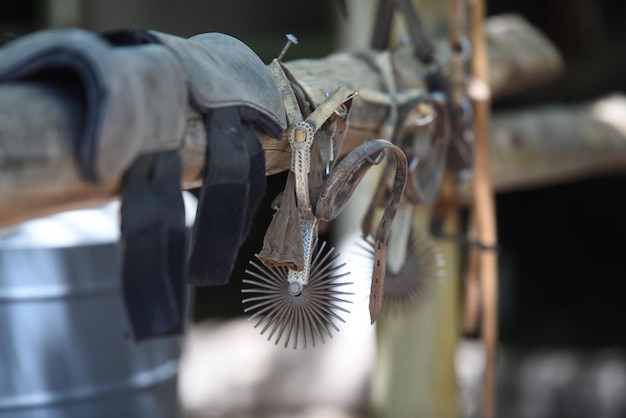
(231, 86)
(382, 26)
(233, 184)
(154, 246)
(422, 45)
(282, 243)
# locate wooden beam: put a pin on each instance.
(529, 147)
(556, 143)
(38, 175)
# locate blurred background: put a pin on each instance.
(562, 284)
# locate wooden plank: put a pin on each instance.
(556, 143)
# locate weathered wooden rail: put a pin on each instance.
(38, 174)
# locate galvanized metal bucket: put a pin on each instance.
(63, 350)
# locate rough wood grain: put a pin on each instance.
(556, 143)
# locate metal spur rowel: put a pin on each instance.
(304, 305)
(296, 290)
(301, 314)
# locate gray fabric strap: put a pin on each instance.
(135, 97)
(224, 72)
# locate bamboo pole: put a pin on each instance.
(483, 208)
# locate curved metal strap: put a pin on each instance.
(341, 184)
(301, 138)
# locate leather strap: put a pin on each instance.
(154, 246)
(282, 243)
(341, 184)
(422, 46)
(382, 26)
(233, 184)
(387, 192)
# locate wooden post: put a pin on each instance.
(414, 373)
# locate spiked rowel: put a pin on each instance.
(295, 288)
(411, 285)
(301, 315)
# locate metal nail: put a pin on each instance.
(291, 40)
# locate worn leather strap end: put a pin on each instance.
(378, 279)
(344, 180)
(234, 183)
(282, 244)
(257, 181)
(153, 247)
(177, 253)
(154, 301)
(217, 237)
